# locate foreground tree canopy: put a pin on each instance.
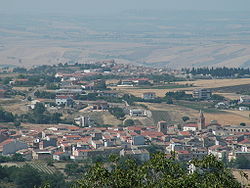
(159, 172)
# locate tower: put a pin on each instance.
(201, 121)
(162, 127)
(84, 121)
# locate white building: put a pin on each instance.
(202, 94)
(149, 96)
(83, 121)
(64, 100)
(137, 112)
(190, 127)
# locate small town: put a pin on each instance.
(125, 94)
(132, 130)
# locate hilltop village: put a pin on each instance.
(90, 111)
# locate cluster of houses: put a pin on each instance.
(193, 140)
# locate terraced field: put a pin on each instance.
(42, 166)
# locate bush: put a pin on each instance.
(185, 118)
(129, 122)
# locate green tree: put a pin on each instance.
(17, 157)
(117, 112)
(71, 169)
(129, 122)
(242, 124)
(39, 108)
(185, 118)
(160, 171)
(27, 177)
(169, 100)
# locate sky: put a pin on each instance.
(116, 6)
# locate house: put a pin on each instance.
(138, 140)
(100, 84)
(222, 105)
(126, 83)
(244, 100)
(20, 81)
(243, 108)
(61, 156)
(2, 93)
(83, 121)
(190, 127)
(41, 154)
(141, 81)
(203, 94)
(85, 154)
(33, 103)
(108, 94)
(10, 146)
(237, 129)
(137, 112)
(149, 96)
(100, 105)
(26, 153)
(49, 141)
(4, 134)
(64, 100)
(184, 155)
(97, 143)
(199, 152)
(69, 92)
(162, 126)
(140, 154)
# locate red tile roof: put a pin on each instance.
(6, 142)
(191, 125)
(185, 133)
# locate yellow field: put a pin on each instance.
(217, 82)
(242, 180)
(225, 118)
(109, 119)
(43, 126)
(197, 84)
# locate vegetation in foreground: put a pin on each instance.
(122, 172)
(159, 172)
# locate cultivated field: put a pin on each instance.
(216, 83)
(224, 117)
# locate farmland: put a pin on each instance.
(43, 167)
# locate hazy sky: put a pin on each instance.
(111, 6)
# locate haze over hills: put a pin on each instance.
(173, 39)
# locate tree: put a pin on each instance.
(17, 157)
(185, 118)
(242, 124)
(39, 108)
(117, 112)
(160, 171)
(217, 97)
(71, 169)
(6, 116)
(169, 100)
(17, 124)
(129, 122)
(27, 177)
